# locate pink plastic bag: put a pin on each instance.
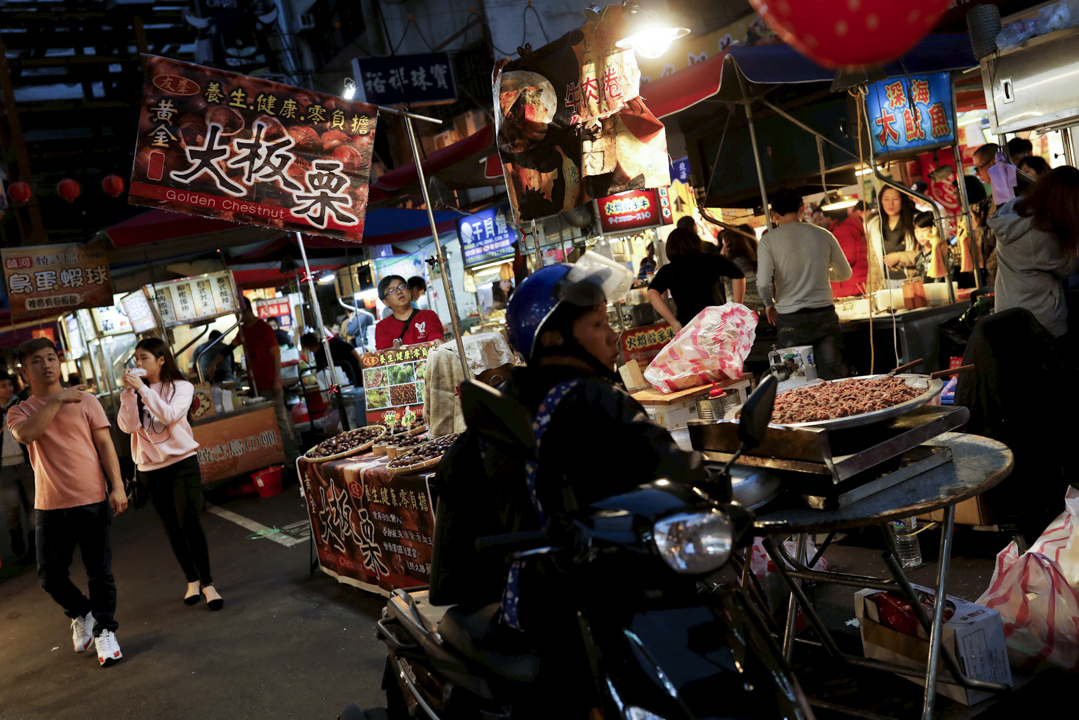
(712, 346)
(761, 565)
(1036, 596)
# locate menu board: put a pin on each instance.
(138, 312)
(193, 299)
(111, 321)
(75, 346)
(393, 382)
(86, 322)
(277, 308)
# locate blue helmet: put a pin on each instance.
(531, 304)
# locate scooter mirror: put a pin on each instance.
(757, 413)
(495, 417)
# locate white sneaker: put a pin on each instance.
(82, 632)
(108, 650)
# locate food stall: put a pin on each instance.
(236, 435)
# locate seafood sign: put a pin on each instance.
(238, 148)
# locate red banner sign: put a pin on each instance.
(644, 343)
(238, 148)
(393, 383)
(371, 529)
(273, 308)
(635, 210)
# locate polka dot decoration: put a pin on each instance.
(851, 33)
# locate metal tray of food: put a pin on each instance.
(932, 387)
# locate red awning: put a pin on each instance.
(272, 277)
(685, 88)
(161, 225)
(390, 184)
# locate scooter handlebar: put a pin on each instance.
(513, 542)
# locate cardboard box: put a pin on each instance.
(632, 376)
(974, 511)
(974, 634)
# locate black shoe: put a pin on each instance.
(215, 604)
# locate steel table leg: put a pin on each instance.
(792, 608)
(936, 631)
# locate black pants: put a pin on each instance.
(819, 328)
(176, 492)
(58, 531)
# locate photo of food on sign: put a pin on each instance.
(243, 149)
(393, 383)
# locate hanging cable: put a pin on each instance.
(524, 24)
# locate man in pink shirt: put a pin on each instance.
(72, 453)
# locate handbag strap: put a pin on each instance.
(408, 324)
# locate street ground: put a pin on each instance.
(289, 644)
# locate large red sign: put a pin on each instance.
(635, 210)
(644, 343)
(227, 146)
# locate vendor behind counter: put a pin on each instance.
(693, 279)
(407, 325)
(343, 354)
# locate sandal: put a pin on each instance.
(215, 603)
(193, 596)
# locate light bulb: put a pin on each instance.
(350, 89)
(652, 40)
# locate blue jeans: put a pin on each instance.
(58, 532)
(820, 328)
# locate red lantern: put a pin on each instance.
(851, 33)
(113, 185)
(20, 193)
(68, 189)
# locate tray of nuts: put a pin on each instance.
(399, 432)
(399, 446)
(424, 457)
(348, 443)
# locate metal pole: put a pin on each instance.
(438, 245)
(335, 387)
(756, 151)
(792, 609)
(963, 199)
(936, 631)
(536, 242)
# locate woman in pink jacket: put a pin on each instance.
(153, 409)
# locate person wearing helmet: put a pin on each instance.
(597, 441)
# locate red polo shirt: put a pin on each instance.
(424, 327)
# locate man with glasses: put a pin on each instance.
(407, 325)
(985, 157)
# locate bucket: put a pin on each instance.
(268, 481)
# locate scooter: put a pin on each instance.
(657, 648)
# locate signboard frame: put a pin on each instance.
(497, 254)
(152, 291)
(657, 197)
(895, 110)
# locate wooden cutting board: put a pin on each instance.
(655, 397)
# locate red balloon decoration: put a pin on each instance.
(20, 193)
(68, 189)
(113, 185)
(851, 33)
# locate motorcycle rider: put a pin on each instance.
(594, 441)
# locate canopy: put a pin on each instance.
(459, 165)
(717, 77)
(272, 277)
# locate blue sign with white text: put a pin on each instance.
(911, 113)
(486, 236)
(680, 170)
(414, 79)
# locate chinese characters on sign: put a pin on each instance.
(238, 443)
(371, 529)
(393, 382)
(486, 236)
(110, 320)
(48, 280)
(910, 113)
(222, 145)
(193, 299)
(644, 343)
(276, 308)
(414, 79)
(635, 210)
(138, 312)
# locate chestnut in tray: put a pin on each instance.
(431, 450)
(344, 442)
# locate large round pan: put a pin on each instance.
(931, 386)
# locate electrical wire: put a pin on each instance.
(524, 24)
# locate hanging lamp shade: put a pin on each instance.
(20, 193)
(113, 185)
(68, 189)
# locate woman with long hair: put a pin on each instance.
(740, 249)
(153, 410)
(1037, 235)
(892, 244)
(693, 279)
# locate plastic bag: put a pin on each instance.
(1036, 594)
(712, 346)
(775, 591)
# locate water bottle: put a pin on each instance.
(906, 542)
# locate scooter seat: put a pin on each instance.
(480, 637)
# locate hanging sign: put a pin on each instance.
(110, 321)
(75, 346)
(139, 313)
(405, 79)
(47, 280)
(634, 210)
(190, 300)
(486, 236)
(226, 146)
(911, 113)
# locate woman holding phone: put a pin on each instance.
(153, 410)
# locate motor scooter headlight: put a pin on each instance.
(694, 543)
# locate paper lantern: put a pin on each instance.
(113, 185)
(20, 193)
(68, 189)
(851, 33)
